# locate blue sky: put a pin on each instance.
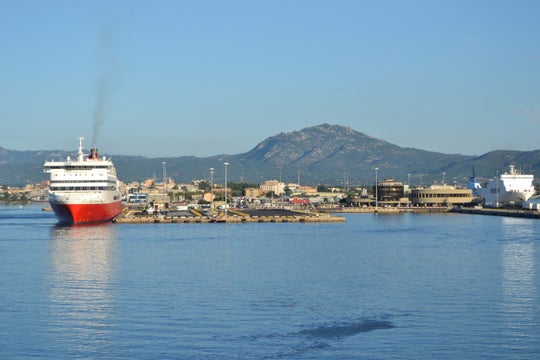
(172, 78)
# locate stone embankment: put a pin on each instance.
(385, 210)
(233, 216)
(521, 213)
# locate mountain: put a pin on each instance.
(331, 152)
(323, 154)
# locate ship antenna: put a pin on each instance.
(80, 155)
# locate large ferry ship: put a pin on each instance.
(84, 190)
(510, 188)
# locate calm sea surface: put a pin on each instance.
(405, 286)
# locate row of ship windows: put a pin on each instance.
(77, 174)
(441, 195)
(81, 188)
(498, 190)
(71, 168)
(82, 181)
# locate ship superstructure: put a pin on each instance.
(510, 188)
(84, 190)
(474, 185)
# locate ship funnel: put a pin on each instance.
(94, 154)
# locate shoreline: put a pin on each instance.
(387, 210)
(321, 215)
(519, 213)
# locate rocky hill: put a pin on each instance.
(323, 154)
(331, 152)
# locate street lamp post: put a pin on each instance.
(225, 164)
(410, 190)
(211, 189)
(280, 191)
(164, 178)
(497, 189)
(376, 189)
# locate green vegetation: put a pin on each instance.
(239, 188)
(205, 186)
(10, 198)
(322, 188)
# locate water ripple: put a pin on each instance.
(341, 330)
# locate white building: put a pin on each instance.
(272, 185)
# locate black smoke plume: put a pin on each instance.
(106, 81)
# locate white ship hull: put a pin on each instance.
(507, 198)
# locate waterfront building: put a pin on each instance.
(148, 183)
(137, 198)
(308, 190)
(441, 195)
(252, 192)
(292, 186)
(209, 197)
(272, 185)
(389, 190)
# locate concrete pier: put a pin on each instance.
(234, 216)
(521, 213)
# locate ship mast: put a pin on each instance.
(80, 156)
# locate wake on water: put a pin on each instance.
(337, 331)
(320, 337)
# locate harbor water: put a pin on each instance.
(400, 286)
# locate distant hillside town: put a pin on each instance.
(336, 167)
(168, 194)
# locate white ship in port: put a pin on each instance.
(510, 188)
(84, 190)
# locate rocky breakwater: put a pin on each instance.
(232, 216)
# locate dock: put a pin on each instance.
(386, 210)
(519, 213)
(232, 216)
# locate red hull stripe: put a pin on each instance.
(85, 213)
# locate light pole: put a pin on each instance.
(225, 164)
(164, 176)
(211, 189)
(497, 189)
(409, 192)
(280, 190)
(376, 189)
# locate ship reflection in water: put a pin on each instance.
(82, 262)
(519, 293)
